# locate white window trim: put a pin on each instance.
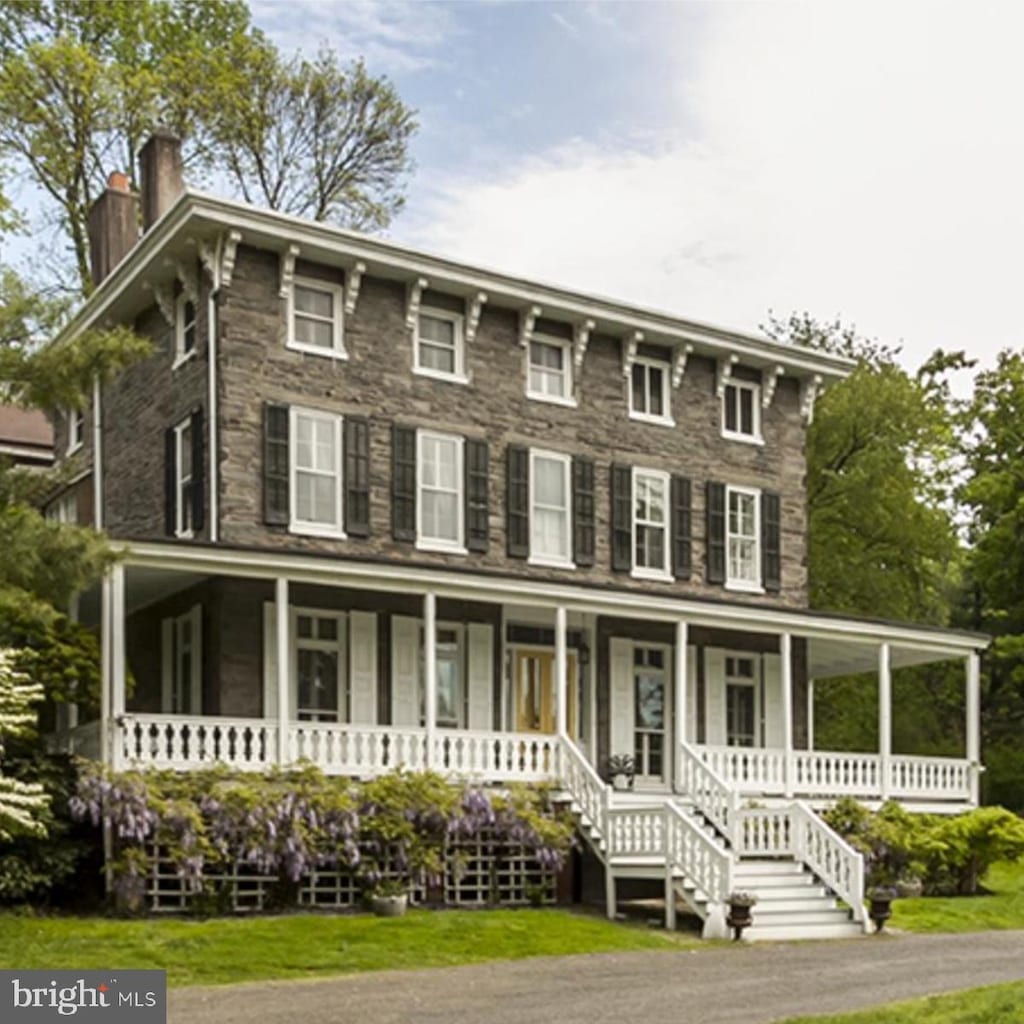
(179, 505)
(551, 561)
(459, 376)
(569, 398)
(754, 683)
(461, 657)
(180, 355)
(170, 633)
(664, 574)
(458, 546)
(340, 645)
(302, 526)
(76, 432)
(743, 586)
(337, 351)
(666, 419)
(737, 435)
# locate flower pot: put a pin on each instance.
(740, 917)
(910, 889)
(390, 906)
(880, 910)
(621, 782)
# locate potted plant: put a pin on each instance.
(389, 898)
(740, 904)
(880, 899)
(621, 771)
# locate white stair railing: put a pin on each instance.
(591, 794)
(711, 794)
(705, 862)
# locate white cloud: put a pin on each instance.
(861, 160)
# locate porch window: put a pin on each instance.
(741, 411)
(439, 344)
(182, 663)
(183, 481)
(315, 318)
(649, 679)
(648, 391)
(440, 488)
(550, 508)
(319, 668)
(315, 461)
(650, 524)
(450, 688)
(184, 328)
(550, 370)
(740, 702)
(743, 539)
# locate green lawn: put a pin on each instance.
(997, 1004)
(1003, 909)
(226, 950)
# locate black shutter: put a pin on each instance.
(403, 482)
(715, 532)
(170, 483)
(517, 500)
(771, 540)
(583, 511)
(476, 495)
(357, 476)
(198, 438)
(622, 518)
(682, 527)
(275, 464)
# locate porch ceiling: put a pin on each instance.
(828, 658)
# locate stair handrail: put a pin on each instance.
(712, 795)
(697, 855)
(589, 791)
(830, 857)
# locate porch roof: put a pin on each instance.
(837, 644)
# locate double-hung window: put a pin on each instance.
(315, 462)
(315, 317)
(321, 695)
(440, 348)
(182, 669)
(184, 328)
(439, 484)
(549, 371)
(184, 479)
(448, 651)
(649, 391)
(743, 543)
(741, 701)
(650, 524)
(741, 411)
(64, 509)
(76, 429)
(550, 508)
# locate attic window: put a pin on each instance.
(315, 318)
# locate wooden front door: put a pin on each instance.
(534, 673)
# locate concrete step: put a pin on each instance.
(845, 930)
(766, 867)
(758, 881)
(763, 916)
(765, 905)
(808, 891)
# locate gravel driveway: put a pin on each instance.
(718, 985)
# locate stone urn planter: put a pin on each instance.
(909, 888)
(880, 905)
(621, 771)
(740, 912)
(390, 906)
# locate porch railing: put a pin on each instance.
(185, 741)
(589, 791)
(762, 771)
(497, 756)
(709, 789)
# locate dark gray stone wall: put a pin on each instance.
(377, 381)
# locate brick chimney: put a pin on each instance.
(162, 177)
(113, 226)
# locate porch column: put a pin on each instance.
(682, 683)
(117, 658)
(430, 673)
(106, 652)
(786, 658)
(810, 712)
(561, 671)
(284, 662)
(885, 718)
(974, 722)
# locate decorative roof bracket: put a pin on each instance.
(207, 256)
(353, 281)
(186, 274)
(288, 258)
(527, 322)
(581, 341)
(475, 310)
(228, 257)
(682, 354)
(415, 296)
(769, 382)
(629, 346)
(725, 368)
(809, 391)
(164, 295)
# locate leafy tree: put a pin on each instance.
(21, 803)
(82, 84)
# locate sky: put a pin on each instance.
(717, 160)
